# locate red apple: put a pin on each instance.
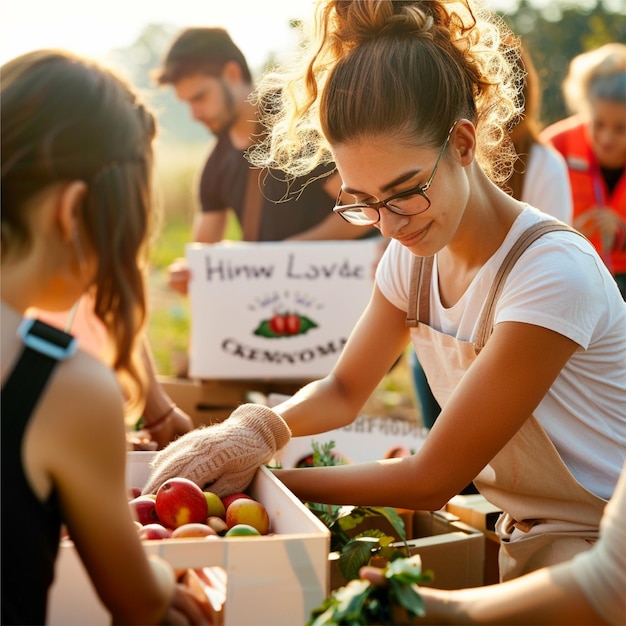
(180, 501)
(248, 512)
(226, 500)
(144, 510)
(214, 504)
(193, 529)
(134, 492)
(154, 532)
(218, 524)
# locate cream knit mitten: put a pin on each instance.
(222, 458)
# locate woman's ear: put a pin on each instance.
(463, 142)
(69, 207)
(232, 72)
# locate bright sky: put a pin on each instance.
(93, 28)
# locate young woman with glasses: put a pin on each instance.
(520, 328)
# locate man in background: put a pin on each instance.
(210, 73)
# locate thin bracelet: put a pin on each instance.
(161, 421)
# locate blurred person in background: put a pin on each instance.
(540, 177)
(210, 74)
(593, 142)
(76, 213)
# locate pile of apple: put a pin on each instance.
(180, 508)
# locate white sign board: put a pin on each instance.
(275, 310)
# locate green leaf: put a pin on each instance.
(345, 606)
(350, 518)
(306, 324)
(351, 596)
(390, 552)
(325, 618)
(392, 516)
(264, 330)
(407, 596)
(325, 512)
(354, 555)
(359, 603)
(323, 455)
(407, 570)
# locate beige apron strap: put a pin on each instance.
(531, 234)
(253, 202)
(419, 292)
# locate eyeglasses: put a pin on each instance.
(407, 203)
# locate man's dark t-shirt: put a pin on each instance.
(287, 209)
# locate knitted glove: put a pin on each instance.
(223, 457)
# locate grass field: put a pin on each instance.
(168, 330)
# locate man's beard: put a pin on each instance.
(230, 109)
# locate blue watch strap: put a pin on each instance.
(46, 339)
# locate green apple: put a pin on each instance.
(242, 530)
(215, 505)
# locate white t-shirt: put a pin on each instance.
(559, 283)
(546, 184)
(601, 571)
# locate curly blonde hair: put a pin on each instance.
(406, 69)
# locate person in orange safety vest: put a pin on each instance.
(593, 142)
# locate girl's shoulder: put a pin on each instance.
(84, 392)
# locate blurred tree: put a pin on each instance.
(556, 33)
(138, 62)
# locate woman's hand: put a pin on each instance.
(176, 425)
(436, 601)
(185, 609)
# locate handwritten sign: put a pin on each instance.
(275, 310)
(368, 438)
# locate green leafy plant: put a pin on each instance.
(360, 602)
(357, 550)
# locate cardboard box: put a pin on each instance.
(478, 512)
(278, 310)
(475, 510)
(453, 550)
(271, 580)
(210, 401)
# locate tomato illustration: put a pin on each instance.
(292, 323)
(278, 324)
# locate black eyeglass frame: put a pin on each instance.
(421, 190)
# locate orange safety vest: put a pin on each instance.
(570, 138)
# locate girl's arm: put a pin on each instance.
(377, 340)
(546, 596)
(86, 455)
(497, 394)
